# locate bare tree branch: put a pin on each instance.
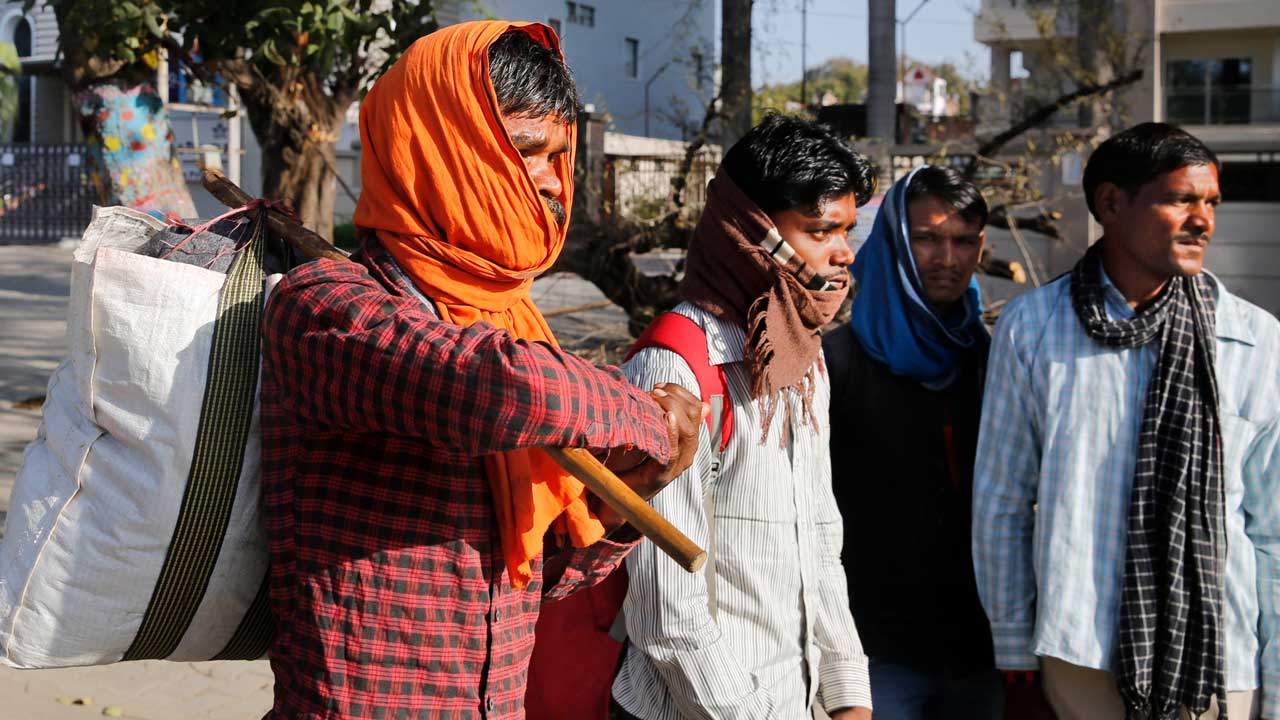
(681, 179)
(1043, 113)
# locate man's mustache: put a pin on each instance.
(838, 277)
(556, 208)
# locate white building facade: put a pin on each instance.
(649, 64)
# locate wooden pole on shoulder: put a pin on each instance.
(577, 461)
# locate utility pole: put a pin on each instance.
(804, 45)
(881, 111)
(735, 74)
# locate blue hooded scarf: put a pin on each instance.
(893, 319)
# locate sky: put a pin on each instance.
(941, 31)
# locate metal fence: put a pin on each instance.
(636, 187)
(45, 193)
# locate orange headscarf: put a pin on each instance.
(450, 198)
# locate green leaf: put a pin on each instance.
(152, 21)
(347, 12)
(271, 53)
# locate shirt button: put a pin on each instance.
(489, 704)
(497, 614)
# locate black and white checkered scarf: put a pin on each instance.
(1170, 651)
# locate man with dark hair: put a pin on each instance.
(764, 632)
(906, 394)
(405, 397)
(1126, 530)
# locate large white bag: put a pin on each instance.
(134, 530)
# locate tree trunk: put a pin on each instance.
(881, 73)
(300, 177)
(299, 148)
(131, 155)
(735, 70)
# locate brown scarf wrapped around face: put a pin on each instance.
(730, 274)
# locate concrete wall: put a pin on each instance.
(1207, 15)
(1245, 253)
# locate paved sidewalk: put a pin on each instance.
(34, 281)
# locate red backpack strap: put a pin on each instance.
(684, 337)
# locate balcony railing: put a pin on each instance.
(1222, 106)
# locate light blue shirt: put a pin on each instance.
(1056, 456)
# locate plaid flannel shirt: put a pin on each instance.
(387, 577)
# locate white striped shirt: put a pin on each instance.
(782, 602)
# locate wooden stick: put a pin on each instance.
(584, 466)
(577, 461)
(305, 241)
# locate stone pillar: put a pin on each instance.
(1144, 100)
(997, 103)
(588, 176)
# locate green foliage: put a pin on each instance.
(339, 43)
(844, 78)
(10, 68)
(105, 38)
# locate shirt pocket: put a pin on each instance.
(1238, 434)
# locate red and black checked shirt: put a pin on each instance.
(387, 579)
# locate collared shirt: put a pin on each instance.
(782, 631)
(1055, 468)
(388, 583)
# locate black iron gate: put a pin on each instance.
(45, 193)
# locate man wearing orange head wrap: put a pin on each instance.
(414, 526)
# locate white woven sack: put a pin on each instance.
(97, 499)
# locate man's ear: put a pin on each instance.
(1109, 200)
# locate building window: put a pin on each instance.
(22, 38)
(22, 127)
(633, 58)
(698, 69)
(580, 14)
(1250, 181)
(555, 25)
(1209, 92)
